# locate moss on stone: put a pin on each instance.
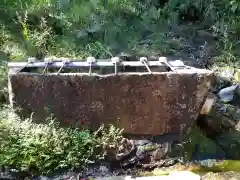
(197, 141)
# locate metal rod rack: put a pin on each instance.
(77, 64)
(92, 62)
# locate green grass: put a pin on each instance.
(44, 148)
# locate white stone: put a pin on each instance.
(227, 94)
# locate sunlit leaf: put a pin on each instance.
(237, 75)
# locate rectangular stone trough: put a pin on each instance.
(143, 103)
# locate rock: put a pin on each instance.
(103, 169)
(143, 153)
(231, 175)
(152, 178)
(161, 171)
(199, 147)
(114, 178)
(147, 154)
(41, 178)
(172, 176)
(210, 151)
(237, 127)
(159, 153)
(238, 91)
(220, 83)
(208, 162)
(188, 175)
(170, 162)
(207, 106)
(97, 170)
(216, 122)
(222, 127)
(230, 143)
(228, 110)
(227, 94)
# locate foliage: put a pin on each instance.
(103, 28)
(3, 80)
(42, 148)
(107, 138)
(96, 27)
(30, 146)
(3, 72)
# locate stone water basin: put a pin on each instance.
(141, 103)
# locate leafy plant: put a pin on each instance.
(3, 80)
(107, 138)
(43, 148)
(37, 40)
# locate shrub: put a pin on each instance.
(107, 141)
(42, 147)
(3, 82)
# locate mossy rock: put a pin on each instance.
(230, 143)
(198, 146)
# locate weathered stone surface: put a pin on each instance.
(173, 176)
(231, 175)
(155, 104)
(184, 175)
